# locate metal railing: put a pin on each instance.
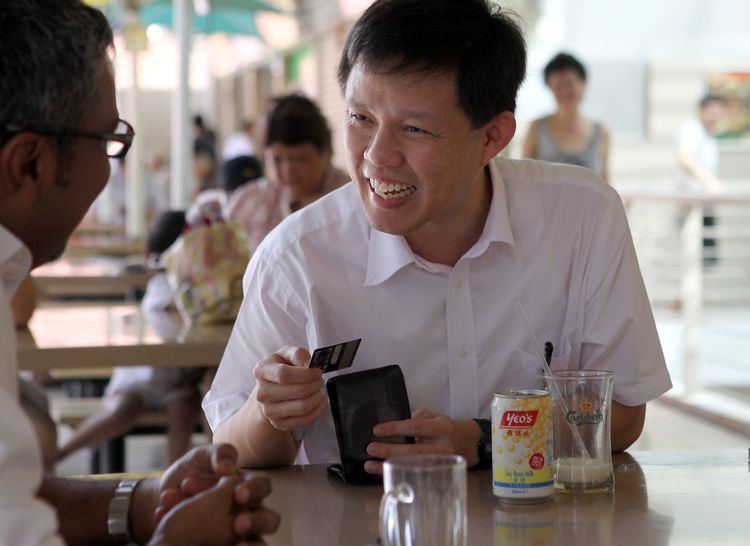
(668, 232)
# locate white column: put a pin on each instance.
(135, 196)
(691, 294)
(181, 182)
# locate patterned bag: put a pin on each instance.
(205, 268)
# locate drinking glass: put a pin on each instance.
(424, 503)
(581, 429)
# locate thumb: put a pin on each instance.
(296, 356)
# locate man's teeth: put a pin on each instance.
(391, 191)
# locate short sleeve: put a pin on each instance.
(619, 329)
(270, 318)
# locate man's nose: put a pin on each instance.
(384, 149)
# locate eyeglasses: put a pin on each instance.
(118, 143)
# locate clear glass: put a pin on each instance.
(582, 449)
(424, 503)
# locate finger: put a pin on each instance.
(258, 522)
(223, 459)
(386, 451)
(374, 467)
(294, 408)
(193, 485)
(171, 497)
(290, 423)
(296, 356)
(285, 374)
(423, 414)
(252, 491)
(425, 428)
(274, 392)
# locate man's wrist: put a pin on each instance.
(472, 434)
(141, 520)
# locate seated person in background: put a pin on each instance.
(297, 148)
(135, 389)
(59, 125)
(426, 252)
(567, 136)
(238, 171)
(240, 143)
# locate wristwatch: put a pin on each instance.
(484, 445)
(119, 510)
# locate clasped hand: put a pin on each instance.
(203, 498)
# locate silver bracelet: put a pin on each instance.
(119, 511)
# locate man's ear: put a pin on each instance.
(498, 133)
(28, 164)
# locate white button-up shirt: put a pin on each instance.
(556, 239)
(24, 519)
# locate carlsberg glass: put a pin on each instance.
(582, 431)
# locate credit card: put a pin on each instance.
(335, 357)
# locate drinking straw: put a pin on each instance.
(556, 394)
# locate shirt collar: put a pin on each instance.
(15, 261)
(389, 253)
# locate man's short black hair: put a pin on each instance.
(166, 230)
(473, 39)
(293, 120)
(564, 61)
(238, 171)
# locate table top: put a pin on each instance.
(661, 498)
(96, 335)
(111, 245)
(89, 276)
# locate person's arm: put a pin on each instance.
(529, 143)
(23, 302)
(627, 425)
(287, 396)
(618, 330)
(82, 507)
(688, 161)
(605, 155)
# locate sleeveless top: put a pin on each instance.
(589, 156)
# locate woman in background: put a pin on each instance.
(566, 136)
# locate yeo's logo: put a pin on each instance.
(519, 419)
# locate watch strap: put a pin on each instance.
(484, 445)
(119, 511)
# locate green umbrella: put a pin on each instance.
(226, 16)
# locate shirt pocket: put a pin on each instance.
(525, 370)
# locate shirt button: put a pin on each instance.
(462, 353)
(458, 284)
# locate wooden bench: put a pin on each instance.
(109, 457)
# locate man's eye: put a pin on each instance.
(414, 129)
(357, 117)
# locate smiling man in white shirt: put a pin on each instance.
(59, 126)
(425, 253)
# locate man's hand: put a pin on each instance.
(434, 433)
(230, 512)
(287, 391)
(194, 472)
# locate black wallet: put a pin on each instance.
(359, 401)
